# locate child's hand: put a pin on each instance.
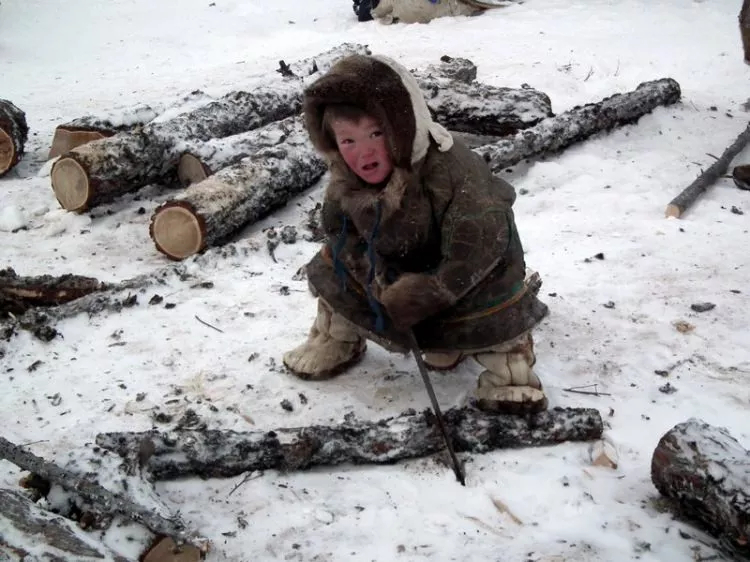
(412, 298)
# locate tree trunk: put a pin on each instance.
(745, 29)
(706, 179)
(216, 453)
(18, 294)
(556, 133)
(200, 160)
(28, 532)
(707, 472)
(101, 171)
(88, 489)
(210, 211)
(13, 134)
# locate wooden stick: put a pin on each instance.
(687, 197)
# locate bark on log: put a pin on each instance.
(85, 487)
(199, 161)
(707, 472)
(215, 453)
(28, 532)
(101, 171)
(745, 29)
(18, 294)
(707, 178)
(556, 133)
(210, 211)
(13, 134)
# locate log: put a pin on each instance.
(556, 133)
(18, 294)
(708, 177)
(13, 134)
(217, 453)
(745, 29)
(28, 532)
(207, 213)
(200, 160)
(89, 490)
(103, 170)
(707, 474)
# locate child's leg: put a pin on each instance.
(332, 345)
(509, 384)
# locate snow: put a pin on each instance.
(606, 195)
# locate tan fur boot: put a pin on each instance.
(331, 347)
(508, 384)
(420, 11)
(443, 361)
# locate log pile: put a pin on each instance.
(13, 134)
(707, 474)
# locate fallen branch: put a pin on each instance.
(13, 134)
(215, 453)
(706, 179)
(556, 133)
(83, 486)
(707, 472)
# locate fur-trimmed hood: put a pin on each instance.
(387, 91)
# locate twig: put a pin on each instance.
(591, 72)
(250, 476)
(595, 392)
(207, 324)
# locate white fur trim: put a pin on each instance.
(426, 127)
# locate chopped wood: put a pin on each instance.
(707, 474)
(13, 134)
(18, 294)
(103, 170)
(88, 489)
(208, 212)
(708, 177)
(30, 532)
(556, 133)
(216, 453)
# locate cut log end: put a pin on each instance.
(66, 140)
(70, 182)
(191, 170)
(7, 152)
(673, 211)
(177, 231)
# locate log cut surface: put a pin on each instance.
(557, 133)
(215, 453)
(13, 134)
(707, 472)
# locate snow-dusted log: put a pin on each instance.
(452, 68)
(13, 134)
(707, 472)
(745, 28)
(17, 293)
(200, 160)
(101, 171)
(707, 178)
(88, 489)
(556, 133)
(210, 211)
(215, 453)
(28, 532)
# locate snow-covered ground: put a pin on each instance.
(61, 60)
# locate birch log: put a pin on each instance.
(707, 472)
(216, 453)
(210, 211)
(13, 134)
(557, 133)
(745, 29)
(101, 171)
(28, 532)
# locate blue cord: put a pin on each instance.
(374, 304)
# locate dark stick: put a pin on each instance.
(436, 407)
(679, 204)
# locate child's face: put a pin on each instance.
(363, 147)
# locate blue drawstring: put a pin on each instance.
(374, 304)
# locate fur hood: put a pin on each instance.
(387, 91)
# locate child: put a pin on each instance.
(421, 240)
